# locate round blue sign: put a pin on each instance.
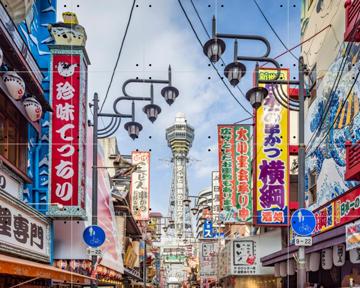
(303, 222)
(94, 236)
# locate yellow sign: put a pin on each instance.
(272, 155)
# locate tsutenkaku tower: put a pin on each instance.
(180, 137)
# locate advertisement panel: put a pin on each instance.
(208, 259)
(215, 196)
(271, 152)
(140, 186)
(24, 231)
(235, 173)
(67, 137)
(341, 210)
(353, 235)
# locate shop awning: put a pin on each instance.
(20, 267)
(321, 241)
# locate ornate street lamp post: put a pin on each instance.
(133, 128)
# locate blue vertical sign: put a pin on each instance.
(208, 232)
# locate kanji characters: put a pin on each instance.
(5, 221)
(36, 232)
(64, 91)
(65, 112)
(272, 195)
(273, 171)
(21, 229)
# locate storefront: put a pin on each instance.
(333, 260)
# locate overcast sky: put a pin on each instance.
(160, 35)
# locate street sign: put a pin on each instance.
(94, 236)
(94, 251)
(303, 222)
(303, 241)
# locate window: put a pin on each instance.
(13, 135)
(312, 187)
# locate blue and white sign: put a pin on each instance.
(94, 236)
(208, 232)
(303, 222)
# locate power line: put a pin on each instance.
(119, 54)
(338, 114)
(207, 33)
(274, 31)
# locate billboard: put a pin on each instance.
(67, 135)
(235, 173)
(140, 186)
(271, 189)
(208, 259)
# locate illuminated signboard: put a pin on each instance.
(140, 186)
(67, 134)
(271, 158)
(235, 173)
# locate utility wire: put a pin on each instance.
(217, 71)
(208, 34)
(273, 30)
(337, 116)
(119, 54)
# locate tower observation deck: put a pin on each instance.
(180, 137)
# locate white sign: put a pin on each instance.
(215, 196)
(303, 241)
(242, 256)
(94, 251)
(23, 230)
(353, 235)
(208, 259)
(140, 186)
(10, 185)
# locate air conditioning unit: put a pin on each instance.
(352, 21)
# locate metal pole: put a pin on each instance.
(301, 272)
(144, 264)
(94, 175)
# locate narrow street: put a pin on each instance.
(179, 143)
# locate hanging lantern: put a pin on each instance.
(339, 255)
(314, 264)
(1, 57)
(14, 84)
(33, 108)
(18, 9)
(326, 259)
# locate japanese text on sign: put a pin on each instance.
(140, 188)
(272, 177)
(235, 173)
(67, 134)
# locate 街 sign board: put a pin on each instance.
(23, 230)
(140, 186)
(235, 173)
(271, 157)
(67, 134)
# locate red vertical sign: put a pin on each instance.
(67, 143)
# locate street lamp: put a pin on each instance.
(234, 71)
(133, 128)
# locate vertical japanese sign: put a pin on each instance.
(208, 259)
(140, 186)
(272, 154)
(235, 173)
(208, 232)
(67, 135)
